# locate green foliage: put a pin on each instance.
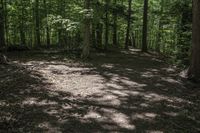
(169, 23)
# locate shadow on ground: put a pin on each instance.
(118, 92)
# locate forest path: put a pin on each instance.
(116, 92)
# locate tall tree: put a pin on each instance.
(128, 24)
(37, 23)
(145, 23)
(48, 41)
(99, 34)
(6, 21)
(106, 24)
(115, 24)
(86, 28)
(160, 26)
(194, 70)
(21, 18)
(2, 32)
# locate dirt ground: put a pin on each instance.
(115, 92)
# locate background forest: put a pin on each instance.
(113, 24)
(100, 66)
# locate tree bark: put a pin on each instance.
(86, 41)
(99, 31)
(2, 30)
(47, 26)
(128, 24)
(194, 69)
(106, 25)
(145, 23)
(160, 27)
(37, 23)
(115, 26)
(22, 31)
(6, 22)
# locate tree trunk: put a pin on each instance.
(6, 22)
(2, 32)
(160, 27)
(37, 23)
(115, 26)
(133, 43)
(194, 70)
(22, 32)
(94, 35)
(86, 41)
(145, 23)
(99, 31)
(106, 26)
(47, 25)
(128, 24)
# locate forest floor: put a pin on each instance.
(111, 92)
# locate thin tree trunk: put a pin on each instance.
(106, 26)
(158, 43)
(86, 41)
(145, 23)
(115, 26)
(22, 32)
(93, 35)
(47, 26)
(133, 43)
(128, 24)
(6, 22)
(2, 30)
(194, 70)
(37, 23)
(99, 32)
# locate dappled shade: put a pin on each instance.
(124, 92)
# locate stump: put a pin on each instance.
(3, 59)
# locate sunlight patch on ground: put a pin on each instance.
(107, 66)
(92, 115)
(172, 114)
(153, 97)
(122, 120)
(148, 75)
(117, 118)
(69, 79)
(35, 101)
(170, 80)
(144, 116)
(48, 127)
(108, 99)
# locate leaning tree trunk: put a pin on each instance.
(87, 25)
(194, 70)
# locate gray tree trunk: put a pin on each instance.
(145, 22)
(194, 70)
(2, 32)
(128, 24)
(86, 37)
